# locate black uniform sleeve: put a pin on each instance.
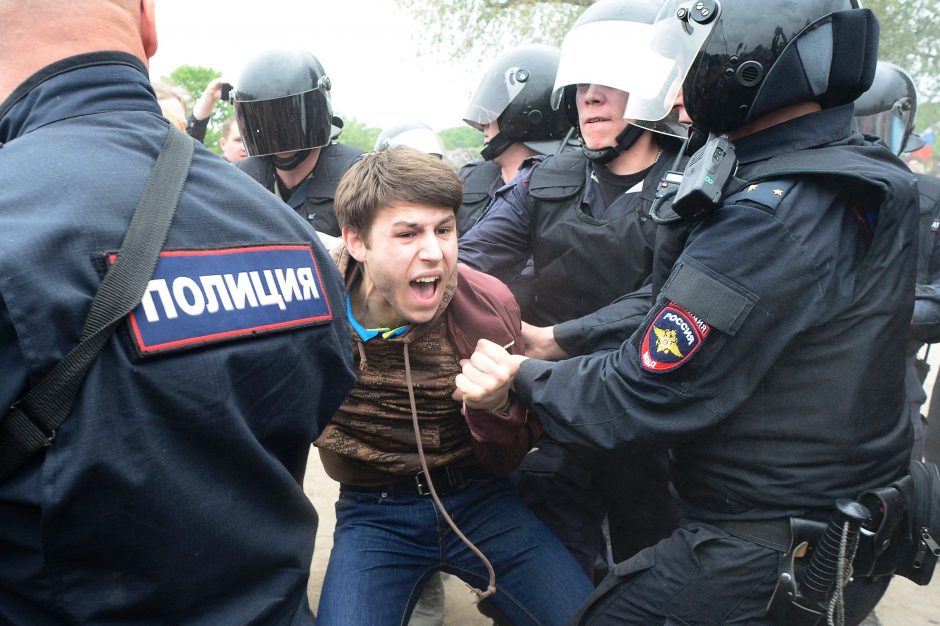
(197, 128)
(926, 322)
(758, 288)
(606, 328)
(500, 243)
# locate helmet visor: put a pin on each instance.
(651, 60)
(669, 125)
(635, 69)
(889, 126)
(497, 89)
(287, 124)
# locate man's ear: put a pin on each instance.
(355, 243)
(148, 27)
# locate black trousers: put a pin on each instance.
(932, 429)
(702, 575)
(571, 489)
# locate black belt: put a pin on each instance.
(446, 480)
(781, 533)
(775, 534)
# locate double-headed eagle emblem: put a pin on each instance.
(666, 341)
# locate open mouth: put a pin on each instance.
(425, 288)
(596, 120)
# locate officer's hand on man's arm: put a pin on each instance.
(540, 343)
(487, 377)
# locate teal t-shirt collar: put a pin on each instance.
(365, 334)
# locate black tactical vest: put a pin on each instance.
(313, 198)
(583, 263)
(477, 187)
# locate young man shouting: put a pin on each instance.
(409, 456)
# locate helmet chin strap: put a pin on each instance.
(495, 147)
(286, 164)
(627, 137)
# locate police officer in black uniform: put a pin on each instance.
(772, 363)
(888, 112)
(511, 107)
(171, 493)
(282, 103)
(583, 216)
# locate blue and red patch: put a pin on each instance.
(205, 296)
(671, 340)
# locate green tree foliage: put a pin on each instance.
(193, 79)
(462, 144)
(910, 38)
(356, 133)
(464, 28)
(462, 137)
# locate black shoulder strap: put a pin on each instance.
(477, 184)
(335, 159)
(32, 421)
(559, 176)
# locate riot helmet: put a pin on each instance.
(516, 92)
(608, 45)
(413, 135)
(738, 60)
(282, 104)
(889, 108)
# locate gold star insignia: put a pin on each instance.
(778, 193)
(751, 188)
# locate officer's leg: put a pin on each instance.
(932, 429)
(429, 611)
(861, 597)
(556, 482)
(640, 509)
(383, 552)
(917, 425)
(698, 575)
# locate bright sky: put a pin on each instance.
(369, 48)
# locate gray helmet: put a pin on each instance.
(889, 108)
(413, 135)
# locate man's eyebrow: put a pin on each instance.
(406, 224)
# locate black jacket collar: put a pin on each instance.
(87, 83)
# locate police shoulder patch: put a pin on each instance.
(200, 296)
(671, 339)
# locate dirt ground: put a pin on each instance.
(905, 604)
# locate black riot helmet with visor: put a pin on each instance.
(889, 108)
(738, 60)
(515, 92)
(282, 104)
(608, 45)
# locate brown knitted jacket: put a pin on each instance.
(370, 440)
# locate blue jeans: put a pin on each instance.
(385, 548)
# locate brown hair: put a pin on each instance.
(399, 175)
